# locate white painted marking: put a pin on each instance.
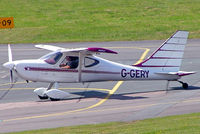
(4, 76)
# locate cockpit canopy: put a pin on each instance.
(52, 58)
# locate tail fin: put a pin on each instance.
(168, 57)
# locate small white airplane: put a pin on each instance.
(82, 65)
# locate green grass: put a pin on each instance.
(38, 21)
(180, 124)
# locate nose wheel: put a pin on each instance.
(43, 97)
(53, 99)
(184, 85)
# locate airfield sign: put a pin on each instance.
(6, 22)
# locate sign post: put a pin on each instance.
(6, 22)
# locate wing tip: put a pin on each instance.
(101, 50)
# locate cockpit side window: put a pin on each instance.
(89, 62)
(52, 58)
(70, 62)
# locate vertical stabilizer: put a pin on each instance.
(168, 56)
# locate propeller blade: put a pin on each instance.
(9, 53)
(11, 76)
(11, 66)
(12, 85)
(10, 60)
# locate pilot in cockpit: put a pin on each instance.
(70, 62)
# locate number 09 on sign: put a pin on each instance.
(6, 22)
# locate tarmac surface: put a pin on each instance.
(91, 103)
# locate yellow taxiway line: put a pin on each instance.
(139, 106)
(111, 92)
(5, 84)
(101, 110)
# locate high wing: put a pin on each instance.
(49, 47)
(90, 50)
(80, 51)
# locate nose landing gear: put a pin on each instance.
(52, 94)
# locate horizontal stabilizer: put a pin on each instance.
(179, 73)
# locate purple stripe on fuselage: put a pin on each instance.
(153, 66)
(67, 70)
(184, 74)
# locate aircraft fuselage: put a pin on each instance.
(39, 71)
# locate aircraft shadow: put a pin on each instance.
(189, 88)
(123, 96)
(102, 95)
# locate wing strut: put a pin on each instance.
(80, 66)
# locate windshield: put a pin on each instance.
(52, 58)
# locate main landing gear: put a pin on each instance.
(53, 94)
(43, 97)
(184, 85)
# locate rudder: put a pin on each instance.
(168, 57)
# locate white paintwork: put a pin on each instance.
(173, 47)
(177, 41)
(48, 47)
(161, 62)
(168, 54)
(57, 94)
(25, 74)
(154, 68)
(40, 91)
(9, 65)
(181, 34)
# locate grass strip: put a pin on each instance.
(179, 124)
(42, 21)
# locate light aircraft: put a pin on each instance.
(54, 68)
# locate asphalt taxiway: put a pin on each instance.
(20, 108)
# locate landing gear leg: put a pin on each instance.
(52, 99)
(41, 91)
(45, 96)
(167, 86)
(184, 85)
(53, 94)
(56, 86)
(50, 85)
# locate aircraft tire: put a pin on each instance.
(53, 99)
(43, 97)
(185, 85)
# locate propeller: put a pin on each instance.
(10, 64)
